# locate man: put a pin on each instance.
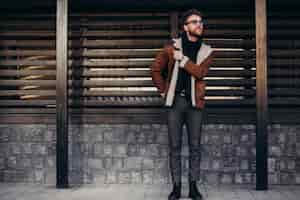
(178, 72)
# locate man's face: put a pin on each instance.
(193, 25)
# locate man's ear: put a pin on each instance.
(185, 28)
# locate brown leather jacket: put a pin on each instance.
(164, 63)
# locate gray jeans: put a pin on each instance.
(179, 114)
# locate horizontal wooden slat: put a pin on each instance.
(131, 53)
(225, 33)
(126, 73)
(140, 102)
(99, 111)
(284, 53)
(99, 23)
(26, 111)
(136, 43)
(104, 43)
(144, 62)
(122, 62)
(76, 93)
(209, 92)
(26, 102)
(278, 53)
(85, 52)
(125, 83)
(125, 101)
(99, 33)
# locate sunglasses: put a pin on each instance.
(195, 22)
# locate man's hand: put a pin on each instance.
(178, 55)
(162, 95)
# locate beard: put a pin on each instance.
(194, 34)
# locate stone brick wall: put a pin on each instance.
(138, 154)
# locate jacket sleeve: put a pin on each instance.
(198, 70)
(160, 63)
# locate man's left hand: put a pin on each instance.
(178, 55)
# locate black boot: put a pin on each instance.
(194, 194)
(176, 192)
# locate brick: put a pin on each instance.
(132, 150)
(107, 163)
(271, 164)
(243, 178)
(49, 135)
(147, 176)
(162, 138)
(111, 177)
(39, 175)
(163, 151)
(147, 163)
(2, 163)
(287, 178)
(50, 162)
(226, 178)
(242, 151)
(124, 177)
(137, 153)
(133, 162)
(130, 137)
(161, 163)
(160, 177)
(204, 164)
(95, 163)
(99, 176)
(98, 149)
(23, 163)
(76, 177)
(11, 162)
(4, 133)
(136, 177)
(117, 163)
(216, 165)
(91, 133)
(141, 138)
(87, 176)
(39, 149)
(244, 164)
(15, 148)
(120, 150)
(33, 133)
(107, 150)
(150, 136)
(297, 178)
(274, 151)
(211, 177)
(50, 177)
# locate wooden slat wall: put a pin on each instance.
(27, 69)
(109, 59)
(231, 79)
(284, 66)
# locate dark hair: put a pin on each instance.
(188, 13)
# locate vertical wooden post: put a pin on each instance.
(62, 94)
(174, 24)
(261, 96)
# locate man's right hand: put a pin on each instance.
(162, 95)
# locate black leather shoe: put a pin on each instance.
(176, 192)
(194, 193)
